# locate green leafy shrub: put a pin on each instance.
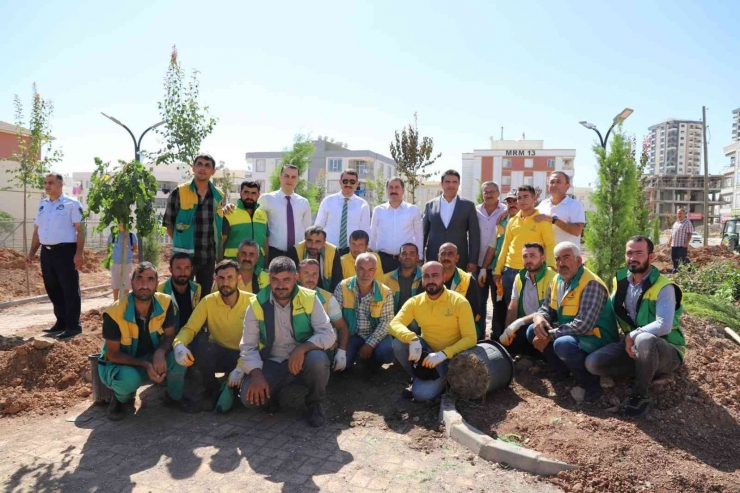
(720, 279)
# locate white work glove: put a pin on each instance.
(235, 377)
(414, 350)
(340, 360)
(482, 274)
(510, 333)
(183, 356)
(434, 359)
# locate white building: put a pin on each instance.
(583, 195)
(512, 163)
(675, 147)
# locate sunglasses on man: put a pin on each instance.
(348, 182)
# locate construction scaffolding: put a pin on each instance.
(668, 193)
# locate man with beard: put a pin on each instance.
(358, 241)
(447, 327)
(395, 224)
(648, 309)
(406, 280)
(462, 282)
(527, 296)
(185, 293)
(308, 277)
(223, 313)
(252, 277)
(286, 333)
(577, 303)
(367, 307)
(138, 331)
(316, 247)
(247, 220)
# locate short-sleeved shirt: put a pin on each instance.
(334, 310)
(530, 298)
(112, 332)
(131, 240)
(56, 220)
(569, 210)
(681, 232)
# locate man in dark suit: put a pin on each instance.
(453, 219)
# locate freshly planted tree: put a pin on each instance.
(186, 124)
(616, 199)
(413, 157)
(225, 181)
(32, 168)
(300, 156)
(119, 195)
(642, 212)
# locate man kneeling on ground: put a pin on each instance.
(223, 314)
(648, 308)
(286, 333)
(447, 327)
(577, 303)
(138, 332)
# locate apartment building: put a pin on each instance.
(736, 125)
(732, 153)
(668, 193)
(675, 147)
(512, 163)
(329, 160)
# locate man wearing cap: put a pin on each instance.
(342, 213)
(58, 232)
(447, 327)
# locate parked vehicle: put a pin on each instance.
(730, 234)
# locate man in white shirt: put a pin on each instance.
(342, 213)
(565, 214)
(489, 213)
(288, 214)
(394, 224)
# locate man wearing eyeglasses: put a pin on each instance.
(342, 213)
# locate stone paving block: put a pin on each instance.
(310, 466)
(289, 477)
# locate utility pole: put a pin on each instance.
(706, 176)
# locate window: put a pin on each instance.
(506, 180)
(550, 163)
(259, 166)
(277, 163)
(160, 203)
(507, 163)
(529, 180)
(529, 163)
(362, 168)
(332, 187)
(335, 165)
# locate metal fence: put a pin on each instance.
(11, 235)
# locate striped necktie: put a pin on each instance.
(343, 226)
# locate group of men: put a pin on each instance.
(264, 294)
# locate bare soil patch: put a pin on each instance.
(689, 442)
(698, 256)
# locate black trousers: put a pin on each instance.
(212, 358)
(679, 255)
(62, 283)
(388, 262)
(343, 251)
(274, 253)
(203, 275)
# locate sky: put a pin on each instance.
(357, 71)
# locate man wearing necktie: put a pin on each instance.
(342, 213)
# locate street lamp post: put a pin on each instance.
(617, 120)
(137, 151)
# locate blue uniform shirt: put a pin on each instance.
(118, 247)
(56, 220)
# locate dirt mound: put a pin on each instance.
(46, 380)
(687, 443)
(166, 254)
(698, 256)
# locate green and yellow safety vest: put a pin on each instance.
(243, 225)
(379, 293)
(302, 306)
(123, 313)
(184, 229)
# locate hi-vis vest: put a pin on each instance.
(605, 330)
(323, 296)
(391, 280)
(646, 306)
(184, 230)
(460, 283)
(243, 225)
(327, 258)
(379, 293)
(302, 306)
(123, 313)
(260, 280)
(543, 280)
(195, 294)
(349, 270)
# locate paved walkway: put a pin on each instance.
(159, 449)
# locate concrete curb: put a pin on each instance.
(43, 297)
(494, 450)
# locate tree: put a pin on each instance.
(186, 125)
(32, 168)
(642, 211)
(376, 186)
(479, 196)
(300, 156)
(114, 193)
(225, 181)
(320, 186)
(615, 198)
(412, 156)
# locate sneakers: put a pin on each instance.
(637, 407)
(115, 409)
(316, 415)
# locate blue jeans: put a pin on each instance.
(383, 353)
(507, 279)
(564, 355)
(421, 390)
